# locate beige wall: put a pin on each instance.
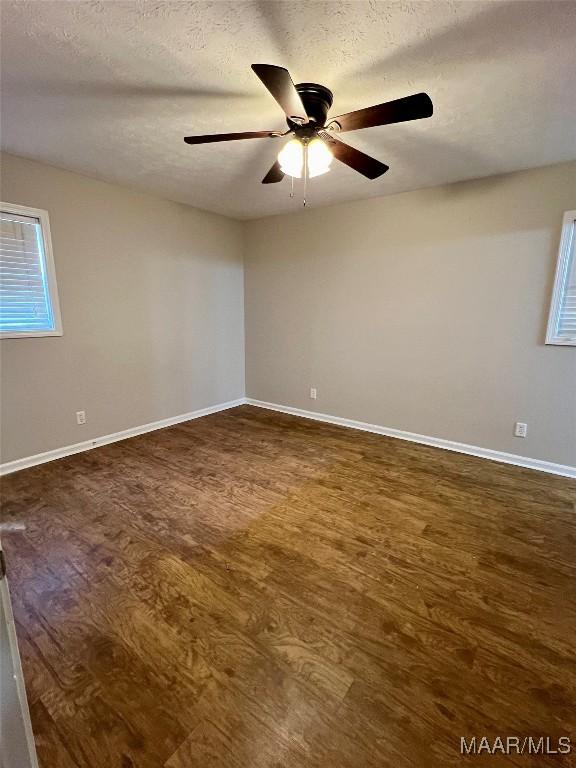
(424, 312)
(151, 294)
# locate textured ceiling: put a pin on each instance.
(110, 88)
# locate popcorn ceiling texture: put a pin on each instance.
(109, 89)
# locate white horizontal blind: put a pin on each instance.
(25, 304)
(567, 314)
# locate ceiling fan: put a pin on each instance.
(314, 145)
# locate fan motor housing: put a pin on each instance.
(317, 100)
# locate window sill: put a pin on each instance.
(29, 334)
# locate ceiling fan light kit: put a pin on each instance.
(314, 144)
(310, 155)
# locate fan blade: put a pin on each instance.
(398, 111)
(230, 136)
(278, 81)
(364, 164)
(274, 174)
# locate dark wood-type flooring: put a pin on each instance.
(253, 590)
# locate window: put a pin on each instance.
(562, 320)
(28, 294)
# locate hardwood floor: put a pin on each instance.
(254, 590)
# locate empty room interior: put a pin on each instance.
(288, 384)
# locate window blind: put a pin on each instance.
(25, 304)
(567, 314)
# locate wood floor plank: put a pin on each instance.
(254, 590)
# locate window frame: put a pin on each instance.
(561, 280)
(42, 216)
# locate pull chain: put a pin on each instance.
(304, 176)
(305, 173)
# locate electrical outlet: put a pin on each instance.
(520, 429)
(80, 417)
(313, 393)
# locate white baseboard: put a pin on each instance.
(68, 450)
(436, 442)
